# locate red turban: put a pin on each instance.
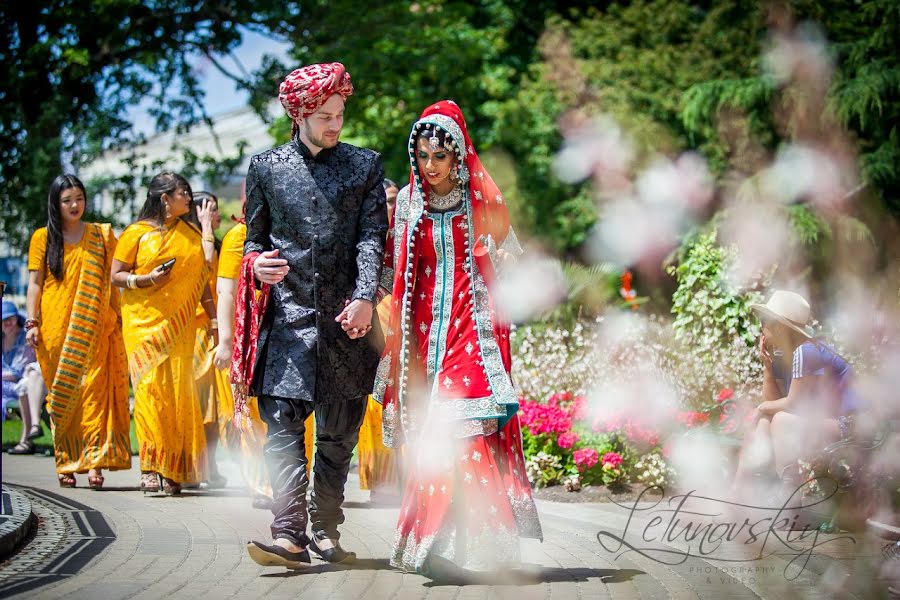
(306, 89)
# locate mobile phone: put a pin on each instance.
(168, 264)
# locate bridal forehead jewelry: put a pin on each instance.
(434, 142)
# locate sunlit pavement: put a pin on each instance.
(118, 543)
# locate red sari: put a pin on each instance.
(444, 378)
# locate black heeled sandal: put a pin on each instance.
(26, 447)
(34, 432)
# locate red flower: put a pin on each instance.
(542, 418)
(612, 460)
(579, 408)
(631, 429)
(585, 458)
(692, 418)
(567, 439)
(725, 394)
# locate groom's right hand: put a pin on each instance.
(268, 268)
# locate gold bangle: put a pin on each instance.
(209, 238)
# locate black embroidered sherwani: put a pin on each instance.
(326, 215)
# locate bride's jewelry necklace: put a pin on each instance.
(453, 199)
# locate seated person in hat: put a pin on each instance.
(22, 380)
(808, 401)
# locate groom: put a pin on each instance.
(316, 217)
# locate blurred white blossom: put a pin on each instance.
(761, 236)
(802, 54)
(530, 286)
(599, 148)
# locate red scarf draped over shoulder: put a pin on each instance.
(249, 309)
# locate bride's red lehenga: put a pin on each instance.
(444, 376)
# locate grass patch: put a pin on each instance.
(12, 430)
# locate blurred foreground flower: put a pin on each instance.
(530, 287)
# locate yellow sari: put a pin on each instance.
(82, 355)
(378, 468)
(158, 323)
(253, 440)
(217, 407)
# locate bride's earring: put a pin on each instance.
(168, 211)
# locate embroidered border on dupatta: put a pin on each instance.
(498, 379)
(85, 325)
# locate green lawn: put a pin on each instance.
(44, 444)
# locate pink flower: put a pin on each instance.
(692, 418)
(633, 430)
(567, 439)
(585, 458)
(579, 408)
(612, 460)
(725, 394)
(542, 418)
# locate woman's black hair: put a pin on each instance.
(197, 199)
(154, 208)
(54, 254)
(389, 183)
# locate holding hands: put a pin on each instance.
(356, 318)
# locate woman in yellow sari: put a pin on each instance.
(213, 390)
(253, 434)
(165, 272)
(74, 326)
(379, 469)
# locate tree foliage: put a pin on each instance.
(665, 69)
(631, 61)
(864, 96)
(72, 70)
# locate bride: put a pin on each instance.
(444, 377)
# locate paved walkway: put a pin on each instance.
(117, 543)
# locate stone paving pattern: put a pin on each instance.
(193, 547)
(15, 519)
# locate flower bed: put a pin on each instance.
(565, 444)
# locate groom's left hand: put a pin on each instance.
(356, 318)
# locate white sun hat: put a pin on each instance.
(788, 308)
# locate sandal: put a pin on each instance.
(150, 482)
(66, 480)
(34, 432)
(95, 482)
(170, 487)
(26, 447)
